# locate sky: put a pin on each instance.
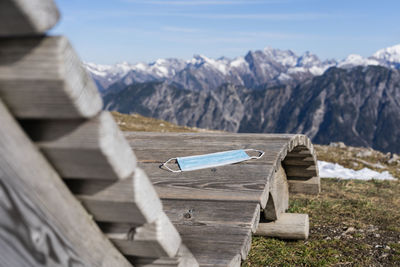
(108, 32)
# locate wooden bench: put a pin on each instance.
(74, 189)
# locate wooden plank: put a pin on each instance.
(132, 200)
(41, 218)
(43, 78)
(159, 148)
(216, 244)
(27, 17)
(157, 239)
(200, 212)
(307, 161)
(301, 171)
(229, 183)
(184, 258)
(292, 226)
(278, 201)
(311, 186)
(92, 148)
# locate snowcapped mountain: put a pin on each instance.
(389, 56)
(257, 68)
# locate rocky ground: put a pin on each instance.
(352, 223)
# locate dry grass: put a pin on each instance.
(352, 223)
(139, 123)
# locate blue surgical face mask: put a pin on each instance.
(198, 162)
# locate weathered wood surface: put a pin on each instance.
(40, 219)
(156, 239)
(132, 200)
(278, 201)
(184, 258)
(43, 78)
(27, 17)
(213, 233)
(245, 214)
(207, 226)
(229, 183)
(152, 149)
(93, 148)
(311, 186)
(292, 226)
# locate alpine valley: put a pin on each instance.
(355, 100)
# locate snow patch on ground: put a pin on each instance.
(334, 170)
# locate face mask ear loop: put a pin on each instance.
(171, 170)
(256, 157)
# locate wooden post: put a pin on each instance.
(288, 226)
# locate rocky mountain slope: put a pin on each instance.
(359, 106)
(269, 66)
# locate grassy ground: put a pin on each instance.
(352, 223)
(136, 122)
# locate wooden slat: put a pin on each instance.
(245, 214)
(216, 244)
(301, 171)
(92, 148)
(157, 239)
(132, 200)
(307, 161)
(203, 222)
(311, 186)
(42, 220)
(159, 148)
(229, 183)
(27, 17)
(43, 78)
(184, 258)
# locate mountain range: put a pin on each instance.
(356, 100)
(257, 68)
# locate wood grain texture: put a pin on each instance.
(41, 211)
(229, 183)
(278, 201)
(132, 200)
(311, 186)
(281, 149)
(184, 258)
(93, 148)
(43, 78)
(202, 212)
(216, 244)
(217, 217)
(157, 239)
(292, 226)
(27, 17)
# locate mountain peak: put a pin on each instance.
(391, 54)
